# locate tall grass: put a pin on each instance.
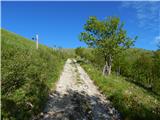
(133, 102)
(28, 75)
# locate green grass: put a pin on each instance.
(28, 75)
(133, 102)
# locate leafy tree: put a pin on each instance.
(108, 37)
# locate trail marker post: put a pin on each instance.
(37, 41)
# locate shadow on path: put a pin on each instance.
(77, 106)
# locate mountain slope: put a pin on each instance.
(28, 75)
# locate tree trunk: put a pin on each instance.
(107, 67)
(118, 71)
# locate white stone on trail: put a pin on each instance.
(77, 98)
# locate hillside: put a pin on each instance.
(132, 101)
(28, 75)
(139, 66)
(133, 87)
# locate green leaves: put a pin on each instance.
(107, 35)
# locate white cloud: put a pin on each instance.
(157, 40)
(147, 13)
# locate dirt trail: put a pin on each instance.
(77, 98)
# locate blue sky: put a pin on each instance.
(60, 23)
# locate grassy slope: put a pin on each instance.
(28, 75)
(132, 101)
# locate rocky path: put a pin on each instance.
(77, 98)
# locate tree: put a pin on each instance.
(108, 37)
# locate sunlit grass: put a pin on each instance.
(28, 75)
(133, 102)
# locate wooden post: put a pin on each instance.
(37, 41)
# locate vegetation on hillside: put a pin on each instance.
(139, 66)
(134, 103)
(28, 74)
